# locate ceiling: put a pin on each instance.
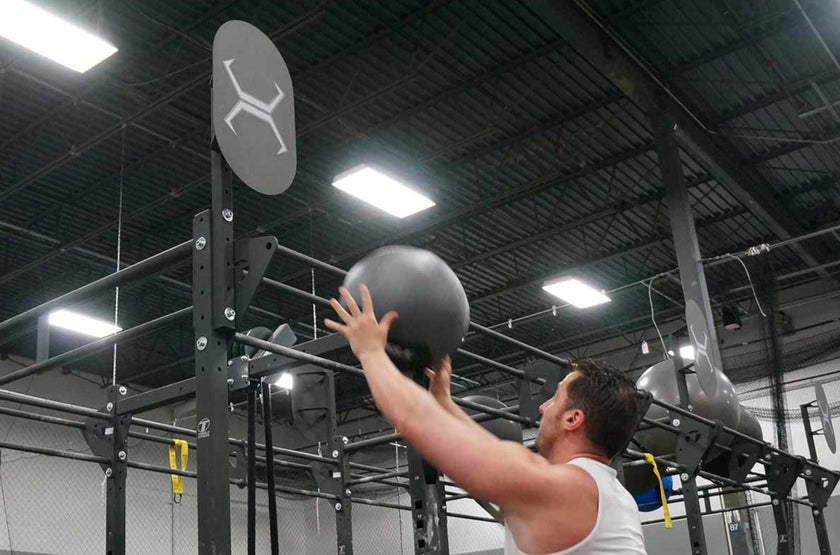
(538, 163)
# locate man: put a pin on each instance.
(567, 501)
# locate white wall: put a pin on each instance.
(52, 505)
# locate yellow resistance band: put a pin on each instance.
(178, 481)
(651, 461)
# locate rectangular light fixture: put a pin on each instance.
(81, 324)
(576, 293)
(687, 352)
(285, 381)
(52, 37)
(381, 191)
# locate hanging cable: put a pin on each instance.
(119, 252)
(312, 274)
(653, 319)
(749, 278)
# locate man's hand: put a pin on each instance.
(440, 376)
(360, 328)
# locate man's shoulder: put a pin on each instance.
(568, 481)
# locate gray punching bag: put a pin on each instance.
(425, 292)
(660, 381)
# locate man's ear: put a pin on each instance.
(573, 419)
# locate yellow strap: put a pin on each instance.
(178, 481)
(651, 461)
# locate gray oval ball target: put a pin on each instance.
(254, 108)
(698, 333)
(825, 418)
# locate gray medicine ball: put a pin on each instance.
(425, 292)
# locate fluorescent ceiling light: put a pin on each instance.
(687, 352)
(576, 293)
(52, 37)
(286, 381)
(381, 191)
(82, 324)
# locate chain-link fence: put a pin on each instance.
(49, 505)
(58, 506)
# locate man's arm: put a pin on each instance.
(503, 472)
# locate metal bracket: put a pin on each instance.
(782, 473)
(313, 404)
(238, 376)
(328, 477)
(99, 436)
(820, 483)
(694, 441)
(531, 396)
(741, 460)
(238, 465)
(251, 260)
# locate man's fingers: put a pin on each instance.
(351, 302)
(388, 320)
(340, 311)
(334, 326)
(430, 373)
(367, 301)
(443, 365)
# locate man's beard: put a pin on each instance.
(542, 442)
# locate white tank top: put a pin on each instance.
(617, 530)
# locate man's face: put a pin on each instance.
(550, 423)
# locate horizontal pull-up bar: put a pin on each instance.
(95, 346)
(347, 369)
(134, 272)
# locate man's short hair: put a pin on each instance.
(609, 401)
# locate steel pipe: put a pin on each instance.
(346, 369)
(53, 452)
(141, 269)
(95, 346)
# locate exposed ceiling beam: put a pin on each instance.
(579, 220)
(827, 136)
(784, 92)
(588, 35)
(500, 199)
(644, 243)
(774, 24)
